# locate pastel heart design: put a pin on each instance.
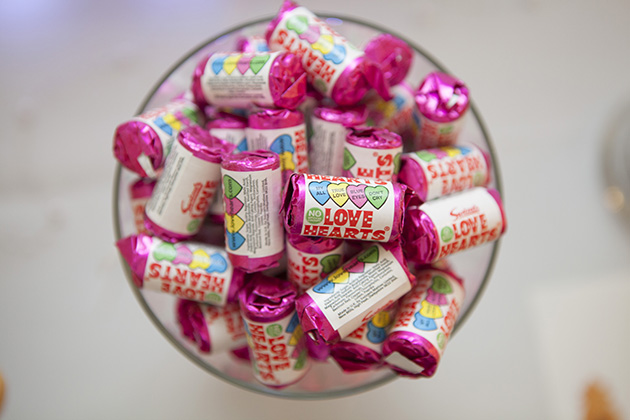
(234, 240)
(212, 298)
(465, 150)
(428, 310)
(377, 196)
(230, 63)
(348, 160)
(424, 324)
(300, 362)
(426, 156)
(336, 55)
(338, 193)
(232, 205)
(324, 44)
(193, 225)
(435, 298)
(217, 63)
(163, 126)
(233, 223)
(258, 62)
(381, 319)
(242, 146)
(397, 163)
(355, 267)
(281, 144)
(330, 262)
(398, 101)
(165, 252)
(319, 191)
(440, 153)
(324, 287)
(356, 193)
(311, 35)
(339, 276)
(294, 322)
(218, 264)
(452, 151)
(243, 63)
(191, 114)
(369, 256)
(296, 336)
(441, 285)
(375, 334)
(231, 188)
(298, 24)
(172, 120)
(286, 161)
(184, 255)
(201, 259)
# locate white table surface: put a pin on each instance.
(547, 76)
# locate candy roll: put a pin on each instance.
(344, 208)
(434, 173)
(423, 325)
(354, 293)
(335, 67)
(241, 80)
(392, 54)
(447, 225)
(275, 337)
(327, 143)
(442, 101)
(189, 270)
(283, 132)
(254, 238)
(311, 258)
(140, 193)
(371, 153)
(187, 186)
(142, 143)
(252, 44)
(231, 128)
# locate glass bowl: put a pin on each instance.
(324, 380)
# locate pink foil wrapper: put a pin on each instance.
(447, 225)
(286, 81)
(175, 269)
(142, 143)
(267, 299)
(371, 153)
(342, 223)
(434, 173)
(320, 325)
(319, 351)
(424, 323)
(393, 55)
(311, 258)
(254, 43)
(241, 201)
(196, 184)
(139, 193)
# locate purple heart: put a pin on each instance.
(243, 63)
(356, 193)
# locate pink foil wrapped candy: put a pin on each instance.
(371, 153)
(434, 173)
(309, 259)
(442, 101)
(275, 337)
(274, 79)
(231, 128)
(393, 55)
(423, 325)
(451, 224)
(252, 44)
(187, 186)
(354, 293)
(344, 208)
(336, 68)
(142, 143)
(139, 193)
(254, 238)
(188, 270)
(329, 130)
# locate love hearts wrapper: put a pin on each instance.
(311, 258)
(392, 54)
(371, 153)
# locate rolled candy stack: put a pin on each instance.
(371, 153)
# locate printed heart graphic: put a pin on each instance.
(324, 287)
(296, 336)
(424, 324)
(381, 319)
(377, 196)
(452, 151)
(217, 63)
(429, 310)
(440, 153)
(311, 35)
(218, 264)
(232, 206)
(397, 163)
(435, 298)
(298, 24)
(330, 262)
(338, 193)
(231, 188)
(230, 63)
(441, 285)
(286, 161)
(426, 156)
(172, 120)
(281, 144)
(243, 63)
(212, 297)
(191, 114)
(369, 256)
(399, 101)
(165, 251)
(319, 191)
(234, 240)
(324, 44)
(355, 267)
(184, 255)
(162, 125)
(465, 150)
(336, 55)
(233, 223)
(201, 259)
(295, 321)
(339, 276)
(375, 334)
(242, 146)
(300, 363)
(356, 193)
(258, 62)
(193, 225)
(348, 160)
(320, 85)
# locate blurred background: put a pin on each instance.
(549, 337)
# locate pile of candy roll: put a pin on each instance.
(293, 219)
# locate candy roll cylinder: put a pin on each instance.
(254, 238)
(188, 270)
(187, 186)
(140, 193)
(354, 293)
(415, 345)
(275, 337)
(393, 55)
(310, 259)
(433, 173)
(371, 153)
(447, 225)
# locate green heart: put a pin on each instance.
(426, 156)
(299, 24)
(258, 62)
(191, 114)
(441, 285)
(231, 188)
(164, 251)
(212, 298)
(330, 262)
(377, 196)
(397, 163)
(193, 225)
(301, 360)
(348, 160)
(370, 255)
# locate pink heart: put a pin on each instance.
(243, 63)
(357, 195)
(311, 35)
(436, 298)
(184, 255)
(355, 268)
(232, 206)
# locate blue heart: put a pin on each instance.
(324, 287)
(375, 334)
(399, 101)
(336, 55)
(423, 323)
(242, 146)
(319, 191)
(217, 64)
(282, 144)
(234, 240)
(163, 126)
(464, 150)
(218, 264)
(293, 323)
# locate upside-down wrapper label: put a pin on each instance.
(305, 269)
(371, 153)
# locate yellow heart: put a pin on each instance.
(233, 223)
(430, 310)
(381, 319)
(297, 336)
(324, 44)
(200, 259)
(230, 63)
(338, 192)
(451, 151)
(286, 161)
(338, 276)
(173, 122)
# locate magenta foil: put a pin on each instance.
(267, 299)
(142, 188)
(352, 357)
(415, 348)
(442, 97)
(314, 244)
(319, 351)
(346, 116)
(252, 44)
(373, 138)
(270, 119)
(227, 120)
(393, 55)
(356, 80)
